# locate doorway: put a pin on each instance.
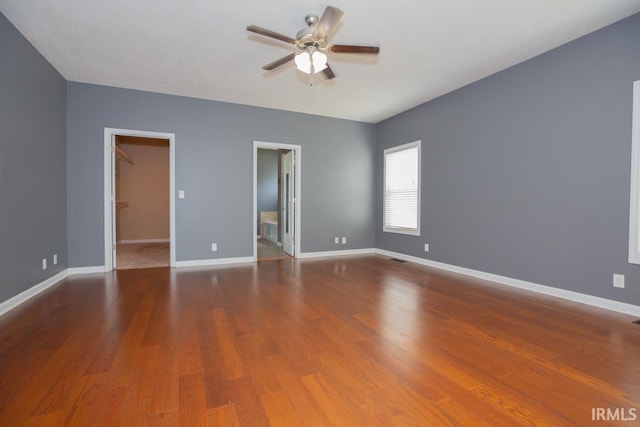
(142, 202)
(276, 203)
(139, 199)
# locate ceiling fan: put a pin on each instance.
(312, 43)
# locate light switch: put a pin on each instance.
(181, 194)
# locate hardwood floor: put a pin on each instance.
(351, 341)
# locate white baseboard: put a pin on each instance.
(12, 303)
(594, 301)
(128, 242)
(214, 261)
(87, 270)
(345, 252)
(591, 300)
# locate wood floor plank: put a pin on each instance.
(223, 416)
(323, 400)
(326, 395)
(518, 407)
(563, 394)
(165, 394)
(137, 406)
(193, 401)
(218, 392)
(349, 341)
(189, 357)
(165, 419)
(301, 400)
(405, 406)
(86, 396)
(279, 410)
(471, 411)
(254, 349)
(45, 393)
(228, 346)
(122, 367)
(108, 407)
(247, 402)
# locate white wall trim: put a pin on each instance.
(129, 242)
(345, 252)
(620, 307)
(109, 135)
(214, 261)
(22, 297)
(298, 189)
(88, 270)
(599, 302)
(634, 209)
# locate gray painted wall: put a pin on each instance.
(267, 178)
(526, 173)
(214, 166)
(32, 165)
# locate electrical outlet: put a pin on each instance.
(336, 240)
(214, 247)
(344, 240)
(618, 280)
(44, 263)
(426, 247)
(55, 259)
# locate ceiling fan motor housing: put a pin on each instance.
(305, 37)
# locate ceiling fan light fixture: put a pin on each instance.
(309, 63)
(319, 60)
(312, 42)
(303, 62)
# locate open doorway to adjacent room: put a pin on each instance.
(142, 202)
(138, 199)
(276, 201)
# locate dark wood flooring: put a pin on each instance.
(352, 341)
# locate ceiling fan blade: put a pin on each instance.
(344, 48)
(328, 72)
(279, 62)
(327, 22)
(269, 33)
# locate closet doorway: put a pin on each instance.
(139, 190)
(276, 204)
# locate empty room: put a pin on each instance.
(298, 213)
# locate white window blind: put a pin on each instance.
(402, 189)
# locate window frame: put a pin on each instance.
(401, 230)
(634, 208)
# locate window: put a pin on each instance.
(402, 189)
(634, 215)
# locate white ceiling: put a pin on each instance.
(201, 49)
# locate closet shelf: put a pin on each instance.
(122, 155)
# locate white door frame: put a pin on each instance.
(287, 191)
(109, 204)
(297, 199)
